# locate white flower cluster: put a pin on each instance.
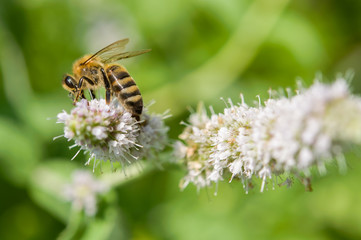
(286, 135)
(108, 132)
(83, 190)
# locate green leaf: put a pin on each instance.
(14, 71)
(130, 173)
(19, 152)
(47, 186)
(41, 115)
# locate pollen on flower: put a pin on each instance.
(108, 132)
(285, 135)
(83, 191)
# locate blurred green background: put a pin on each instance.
(201, 51)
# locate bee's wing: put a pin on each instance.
(123, 55)
(109, 51)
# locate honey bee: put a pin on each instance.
(99, 70)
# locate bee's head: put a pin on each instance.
(69, 84)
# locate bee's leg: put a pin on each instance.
(91, 82)
(82, 94)
(108, 96)
(80, 87)
(92, 94)
(79, 90)
(108, 93)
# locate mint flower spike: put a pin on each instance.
(286, 135)
(83, 191)
(108, 132)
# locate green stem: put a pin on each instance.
(74, 224)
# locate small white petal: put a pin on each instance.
(236, 167)
(305, 158)
(99, 132)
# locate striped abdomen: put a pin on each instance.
(125, 89)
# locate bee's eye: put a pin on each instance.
(69, 82)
